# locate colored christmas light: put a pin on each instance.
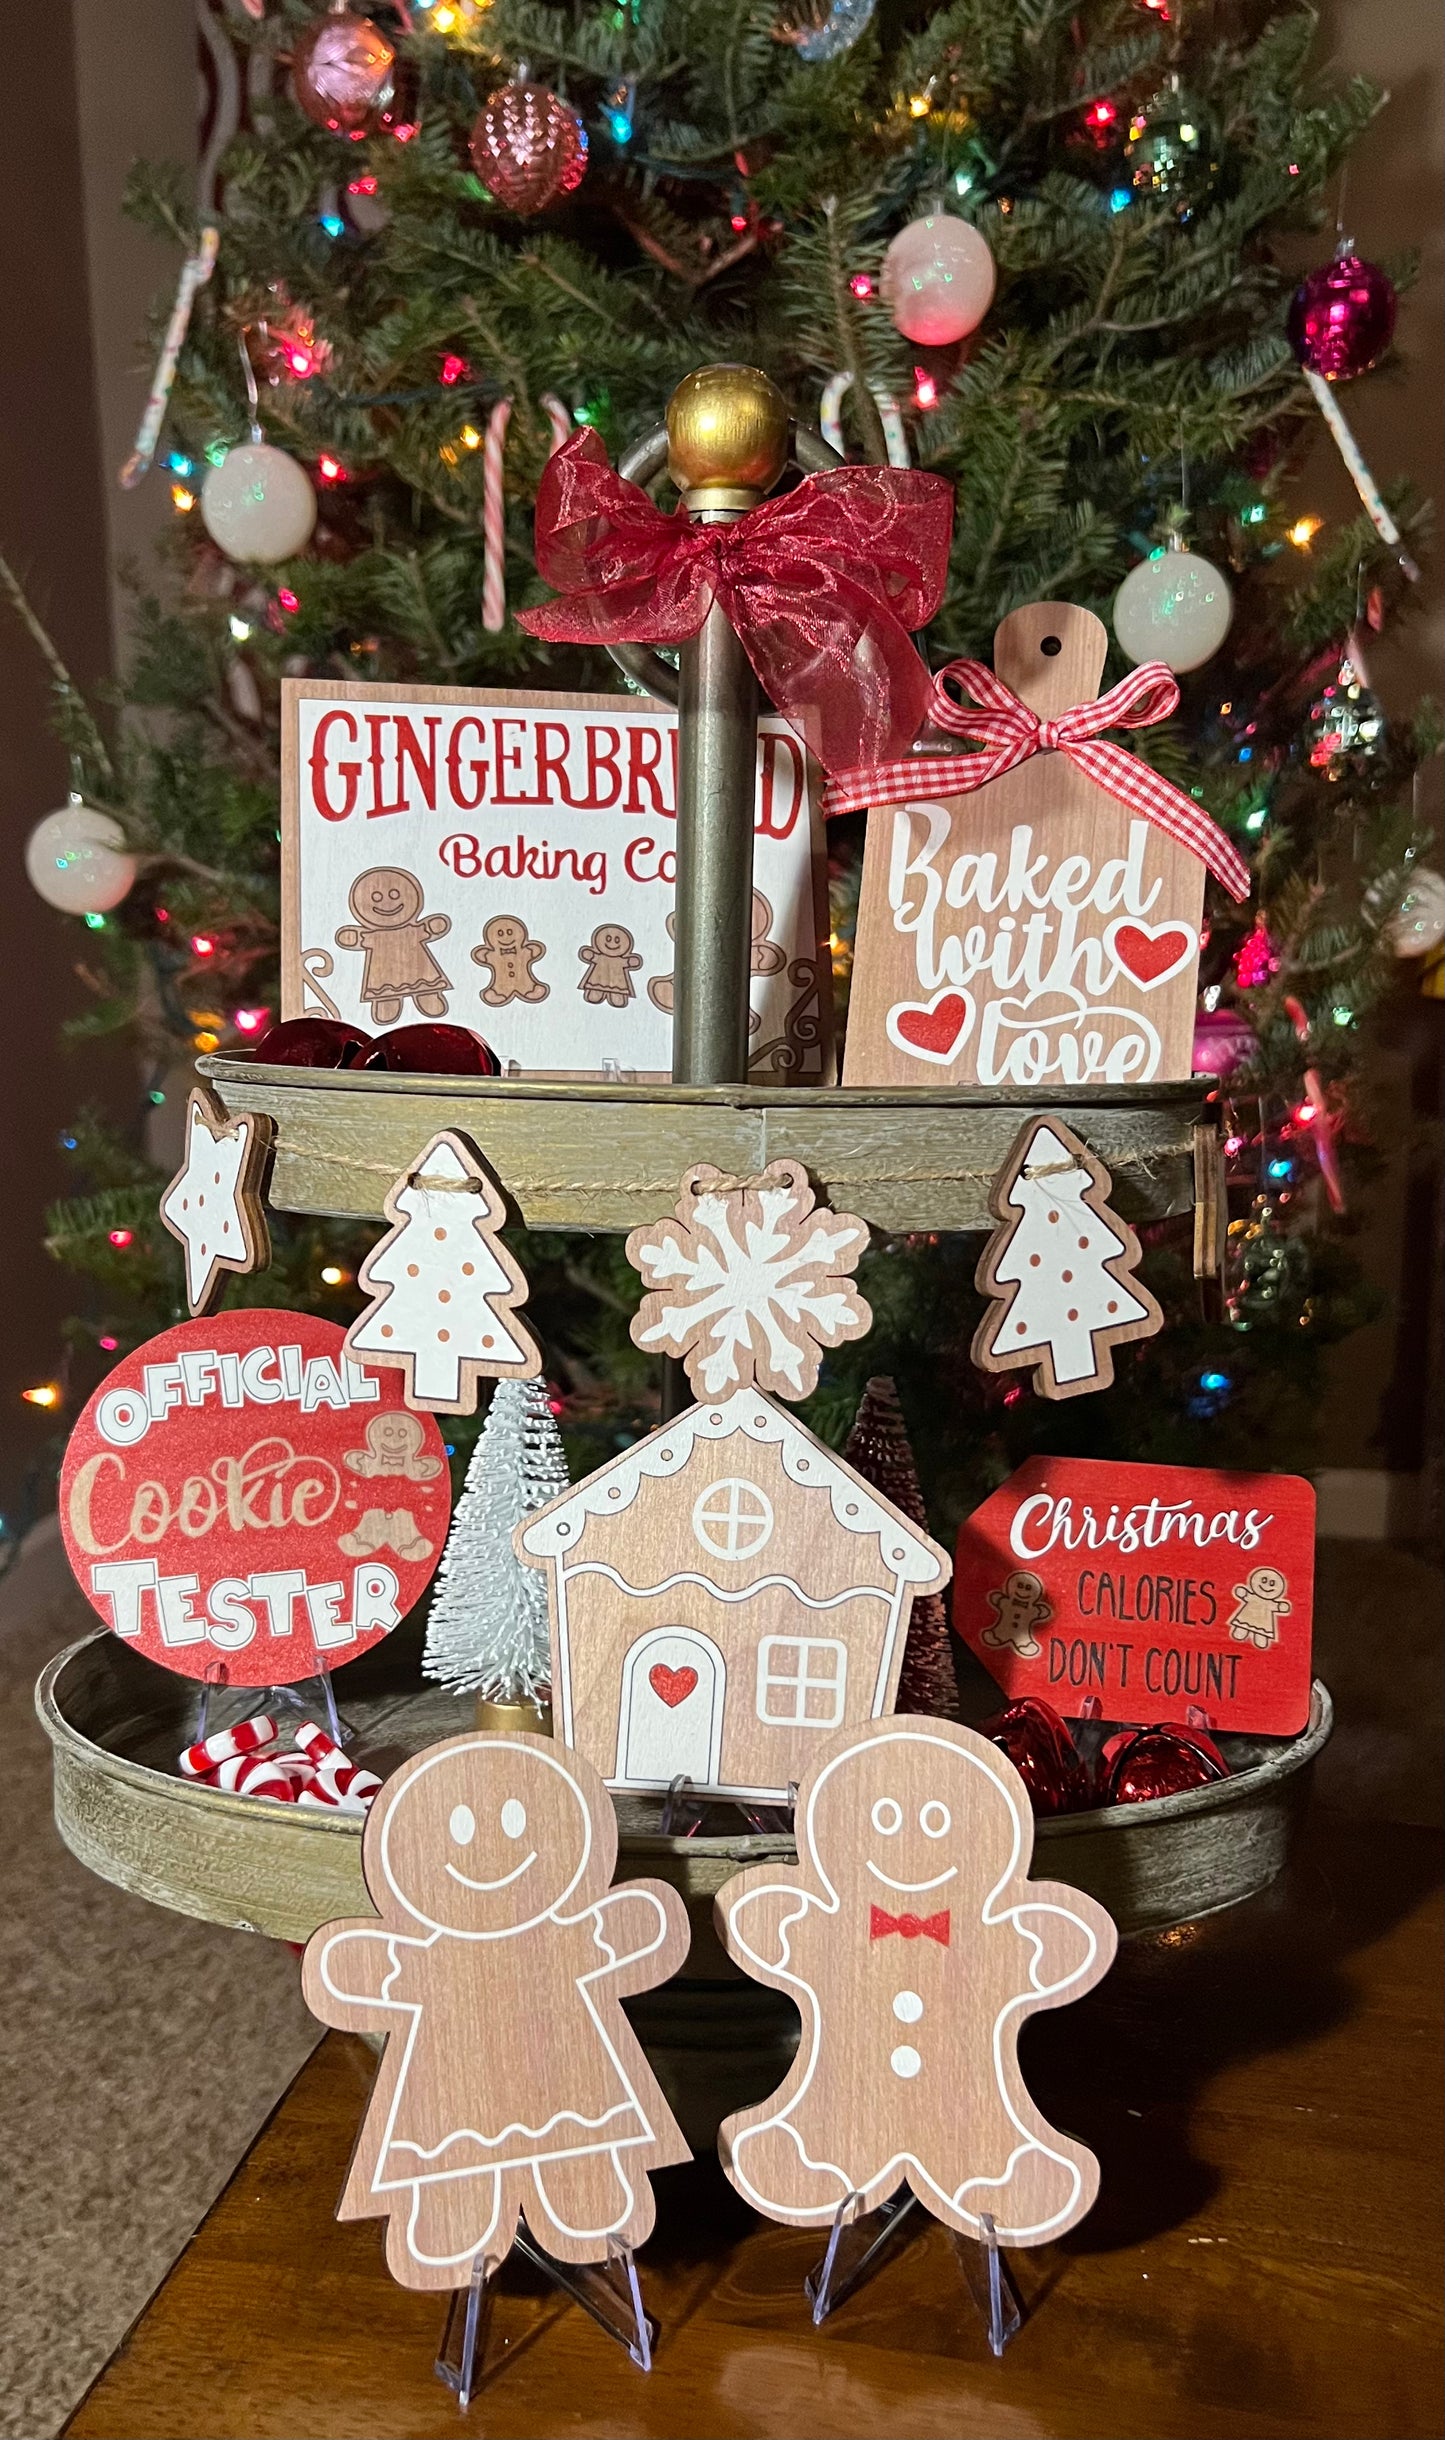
(121, 1237)
(861, 285)
(202, 944)
(452, 369)
(46, 1393)
(251, 1020)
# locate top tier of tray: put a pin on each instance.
(576, 1154)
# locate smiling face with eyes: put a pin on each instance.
(485, 1839)
(910, 1818)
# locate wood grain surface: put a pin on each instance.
(1263, 2262)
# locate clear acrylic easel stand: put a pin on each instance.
(854, 2248)
(611, 2293)
(287, 1696)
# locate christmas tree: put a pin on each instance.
(488, 1630)
(1032, 248)
(878, 1446)
(443, 1289)
(1066, 1259)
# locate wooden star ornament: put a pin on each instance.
(215, 1202)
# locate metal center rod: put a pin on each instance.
(717, 760)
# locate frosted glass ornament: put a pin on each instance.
(1174, 609)
(1418, 923)
(258, 504)
(938, 280)
(77, 859)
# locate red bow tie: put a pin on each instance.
(909, 1927)
(823, 586)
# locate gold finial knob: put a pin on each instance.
(727, 427)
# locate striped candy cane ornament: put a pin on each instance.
(494, 506)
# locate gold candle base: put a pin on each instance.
(535, 1717)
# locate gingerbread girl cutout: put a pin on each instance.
(1262, 1604)
(1019, 1606)
(508, 956)
(766, 957)
(611, 962)
(914, 1945)
(512, 2082)
(392, 930)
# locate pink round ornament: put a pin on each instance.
(1223, 1041)
(938, 280)
(528, 147)
(1342, 317)
(343, 75)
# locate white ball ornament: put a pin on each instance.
(258, 504)
(77, 860)
(938, 280)
(1174, 609)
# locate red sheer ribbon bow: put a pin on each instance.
(823, 586)
(997, 720)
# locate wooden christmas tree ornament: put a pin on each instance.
(914, 1946)
(1059, 1268)
(215, 1202)
(444, 1288)
(511, 2083)
(748, 1283)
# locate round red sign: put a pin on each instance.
(245, 1503)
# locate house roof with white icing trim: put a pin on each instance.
(857, 1508)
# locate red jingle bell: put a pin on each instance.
(1142, 1763)
(1037, 1743)
(433, 1050)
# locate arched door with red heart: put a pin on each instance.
(673, 1684)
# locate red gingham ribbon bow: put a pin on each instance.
(909, 1927)
(999, 720)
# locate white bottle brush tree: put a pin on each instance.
(488, 1631)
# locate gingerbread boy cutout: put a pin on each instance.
(393, 932)
(914, 1946)
(512, 2082)
(765, 957)
(509, 956)
(611, 962)
(1019, 1606)
(1262, 1604)
(395, 1447)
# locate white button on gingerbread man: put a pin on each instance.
(913, 1847)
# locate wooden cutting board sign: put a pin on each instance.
(1036, 932)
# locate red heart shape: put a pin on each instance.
(1149, 956)
(938, 1028)
(671, 1686)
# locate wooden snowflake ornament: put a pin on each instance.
(214, 1203)
(1059, 1269)
(444, 1288)
(748, 1284)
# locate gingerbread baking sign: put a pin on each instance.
(507, 861)
(245, 1502)
(1043, 928)
(1147, 1593)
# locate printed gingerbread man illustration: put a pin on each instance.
(392, 930)
(1262, 1604)
(914, 1945)
(767, 957)
(394, 1445)
(611, 962)
(509, 957)
(512, 2082)
(1018, 1605)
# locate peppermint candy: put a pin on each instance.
(253, 1775)
(227, 1745)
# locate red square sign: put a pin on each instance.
(1158, 1590)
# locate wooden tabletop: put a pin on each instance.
(1263, 2093)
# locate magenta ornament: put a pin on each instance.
(1224, 1040)
(1342, 317)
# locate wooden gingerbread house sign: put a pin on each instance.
(1037, 931)
(724, 1596)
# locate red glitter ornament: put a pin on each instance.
(1342, 318)
(528, 147)
(344, 75)
(1142, 1763)
(1037, 1743)
(1256, 960)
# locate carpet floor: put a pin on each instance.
(140, 2052)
